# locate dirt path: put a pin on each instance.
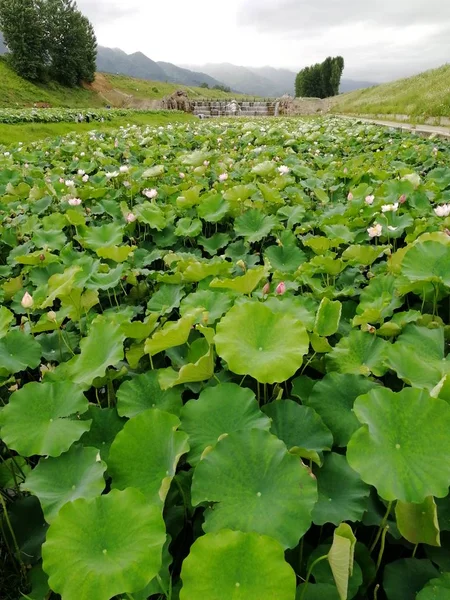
(423, 130)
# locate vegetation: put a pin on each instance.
(424, 95)
(49, 39)
(322, 80)
(223, 363)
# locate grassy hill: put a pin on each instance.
(422, 96)
(116, 90)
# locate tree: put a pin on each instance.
(24, 36)
(321, 80)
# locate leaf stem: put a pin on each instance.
(382, 526)
(13, 535)
(308, 574)
(382, 546)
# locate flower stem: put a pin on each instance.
(13, 535)
(308, 574)
(382, 526)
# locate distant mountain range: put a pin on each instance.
(263, 81)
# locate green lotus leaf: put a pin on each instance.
(60, 284)
(333, 397)
(363, 255)
(103, 547)
(190, 197)
(244, 284)
(255, 485)
(254, 225)
(258, 342)
(436, 589)
(213, 305)
(219, 410)
(189, 228)
(6, 317)
(418, 523)
(150, 215)
(38, 581)
(298, 426)
(105, 280)
(77, 303)
(378, 301)
(286, 259)
(427, 261)
(56, 481)
(200, 366)
(27, 522)
(441, 176)
(138, 330)
(213, 209)
(418, 356)
(270, 194)
(41, 418)
(173, 333)
(360, 354)
(117, 254)
(194, 159)
(403, 448)
(143, 392)
(342, 494)
(165, 299)
(13, 471)
(264, 168)
(18, 351)
(404, 578)
(301, 308)
(231, 564)
(110, 234)
(155, 171)
(146, 452)
(323, 573)
(214, 243)
(317, 591)
(318, 244)
(102, 348)
(195, 270)
(328, 317)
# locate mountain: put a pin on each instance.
(265, 81)
(114, 60)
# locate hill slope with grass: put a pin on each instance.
(424, 95)
(115, 90)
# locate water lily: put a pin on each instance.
(443, 210)
(27, 301)
(369, 199)
(283, 170)
(280, 289)
(375, 231)
(74, 201)
(150, 193)
(223, 176)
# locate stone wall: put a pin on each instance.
(290, 107)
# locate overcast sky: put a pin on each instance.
(380, 40)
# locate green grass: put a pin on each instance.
(422, 96)
(155, 90)
(30, 132)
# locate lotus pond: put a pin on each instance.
(223, 364)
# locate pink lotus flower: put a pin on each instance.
(350, 197)
(150, 193)
(369, 200)
(375, 231)
(223, 176)
(266, 289)
(74, 201)
(280, 289)
(402, 199)
(27, 301)
(131, 217)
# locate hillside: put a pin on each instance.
(424, 95)
(115, 90)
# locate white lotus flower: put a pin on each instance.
(369, 200)
(389, 207)
(85, 178)
(112, 174)
(391, 228)
(69, 183)
(375, 231)
(27, 301)
(150, 193)
(81, 172)
(443, 210)
(131, 217)
(74, 201)
(223, 176)
(283, 170)
(124, 169)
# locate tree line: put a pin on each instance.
(49, 39)
(321, 80)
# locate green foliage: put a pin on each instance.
(321, 80)
(203, 389)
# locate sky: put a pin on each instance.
(380, 40)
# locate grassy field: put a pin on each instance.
(30, 132)
(422, 96)
(115, 90)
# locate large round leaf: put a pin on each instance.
(231, 564)
(219, 410)
(100, 548)
(144, 392)
(404, 578)
(427, 261)
(343, 495)
(358, 353)
(17, 352)
(41, 418)
(403, 448)
(145, 454)
(257, 486)
(436, 589)
(298, 426)
(258, 342)
(106, 424)
(56, 481)
(333, 398)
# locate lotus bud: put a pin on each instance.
(131, 217)
(350, 197)
(242, 265)
(51, 316)
(280, 289)
(402, 199)
(27, 301)
(266, 289)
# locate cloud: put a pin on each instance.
(102, 12)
